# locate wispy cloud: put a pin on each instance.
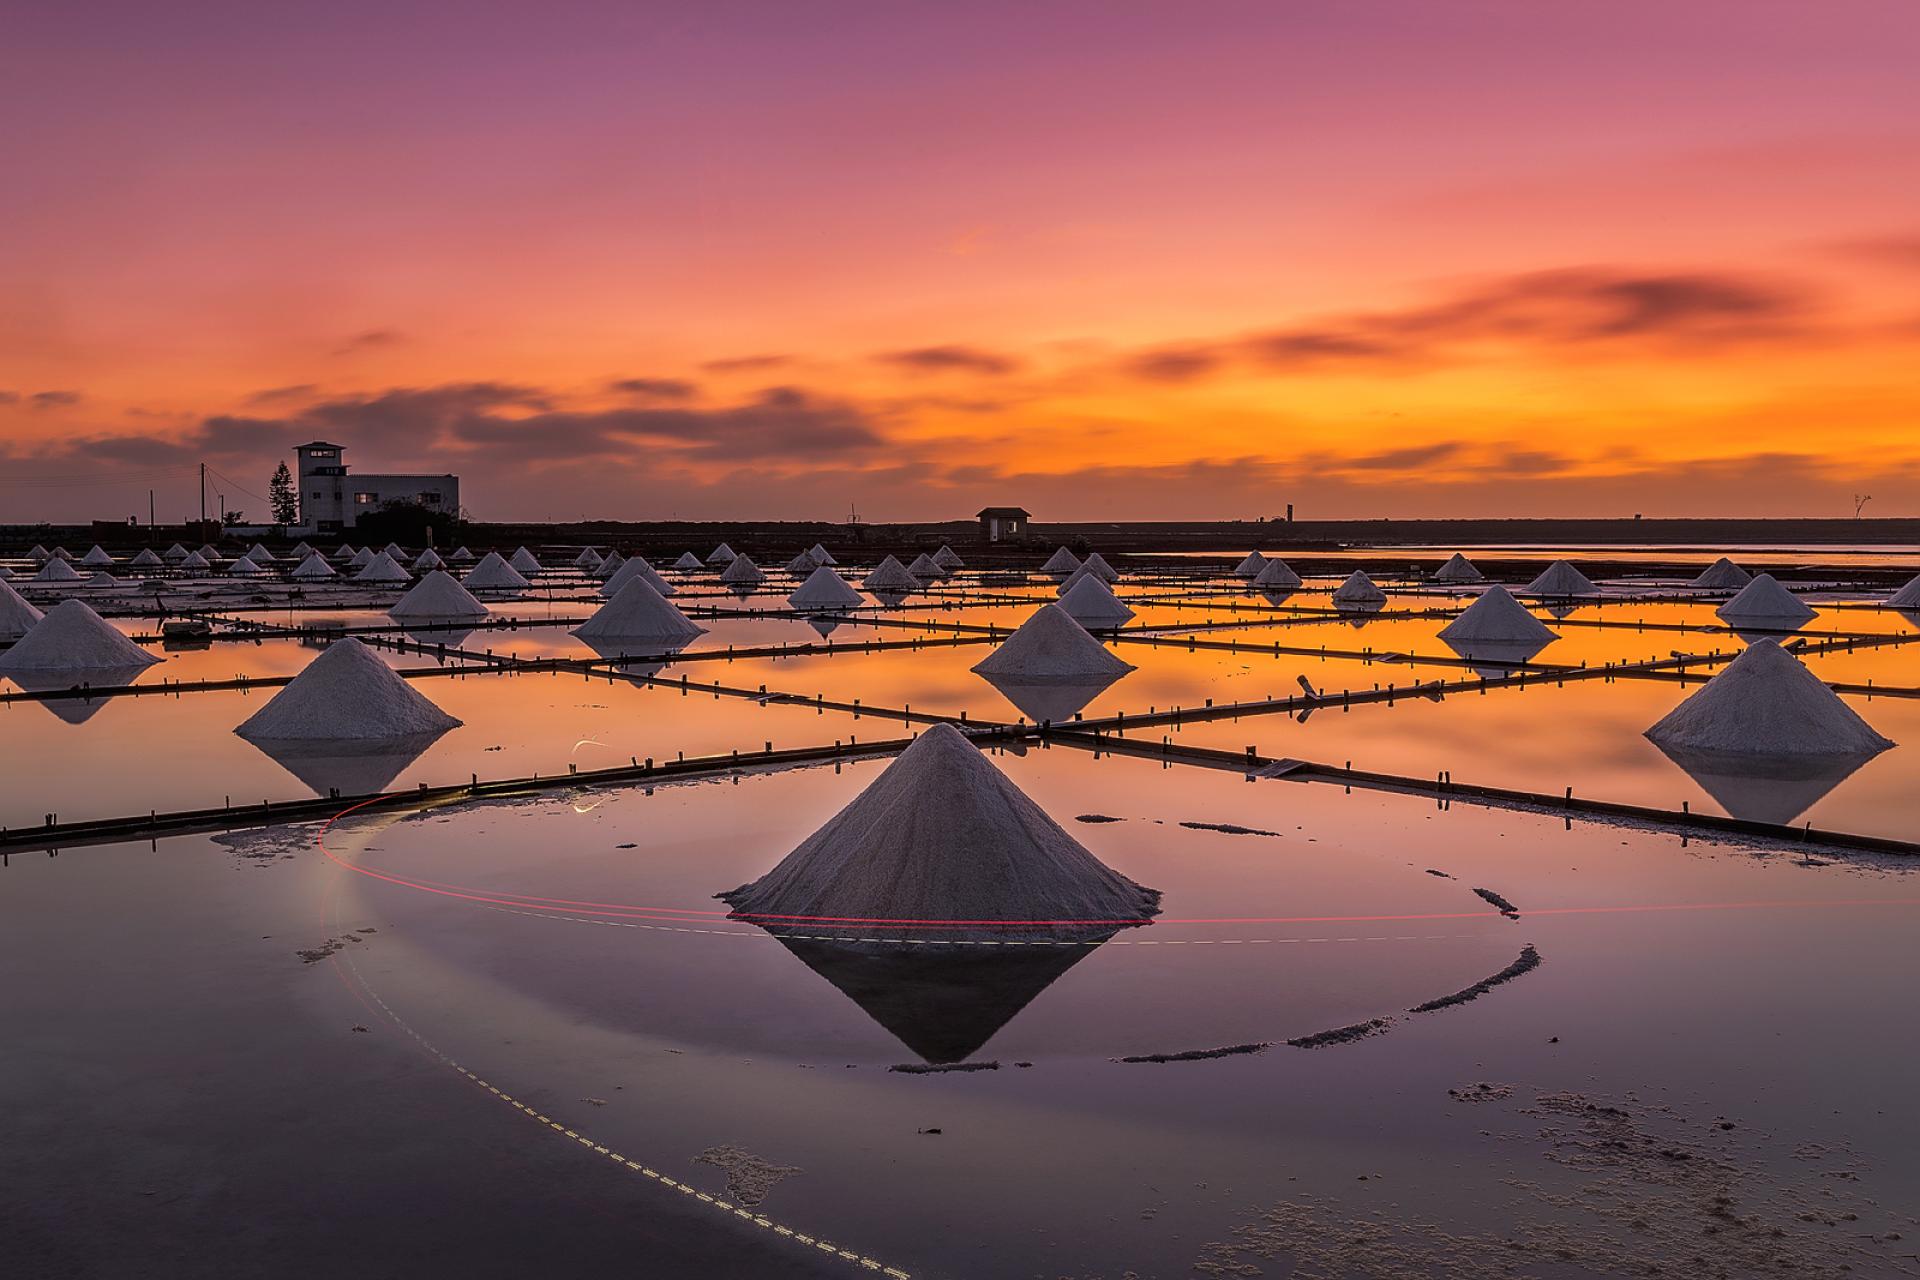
(951, 359)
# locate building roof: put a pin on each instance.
(1002, 511)
(319, 444)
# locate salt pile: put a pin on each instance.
(821, 555)
(1251, 566)
(1765, 600)
(195, 563)
(1722, 575)
(635, 570)
(428, 559)
(211, 554)
(722, 554)
(174, 554)
(394, 549)
(1359, 589)
(96, 557)
(640, 614)
(1096, 563)
(494, 574)
(1496, 617)
(943, 835)
(1062, 561)
(245, 568)
(16, 615)
(103, 579)
(890, 575)
(1766, 702)
(1907, 597)
(346, 694)
(1051, 646)
(687, 560)
(825, 589)
(1458, 569)
(383, 568)
(1276, 575)
(56, 570)
(803, 563)
(588, 559)
(948, 559)
(5, 573)
(463, 556)
(1561, 580)
(610, 566)
(924, 568)
(314, 569)
(741, 571)
(147, 560)
(71, 637)
(361, 558)
(438, 598)
(259, 554)
(523, 561)
(1092, 604)
(300, 552)
(345, 551)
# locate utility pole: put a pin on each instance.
(203, 493)
(149, 515)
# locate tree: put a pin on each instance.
(281, 495)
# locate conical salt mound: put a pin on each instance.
(39, 554)
(821, 555)
(825, 589)
(314, 569)
(57, 570)
(96, 557)
(1907, 597)
(722, 554)
(300, 552)
(944, 836)
(1251, 566)
(924, 568)
(741, 571)
(803, 563)
(610, 566)
(398, 552)
(1458, 569)
(361, 558)
(1062, 561)
(1561, 580)
(635, 570)
(1051, 646)
(259, 554)
(428, 559)
(463, 556)
(1765, 600)
(1092, 604)
(196, 563)
(73, 638)
(210, 553)
(383, 568)
(890, 575)
(1359, 589)
(1766, 703)
(103, 579)
(524, 561)
(1722, 575)
(639, 613)
(346, 694)
(244, 568)
(147, 560)
(949, 559)
(687, 560)
(17, 616)
(1096, 563)
(1074, 579)
(174, 554)
(1498, 618)
(344, 552)
(587, 559)
(494, 574)
(1276, 575)
(438, 598)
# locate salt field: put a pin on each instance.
(773, 927)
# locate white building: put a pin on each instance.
(330, 499)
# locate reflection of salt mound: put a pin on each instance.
(1764, 600)
(439, 598)
(347, 694)
(1091, 603)
(1051, 646)
(383, 568)
(635, 570)
(1359, 589)
(1763, 788)
(1050, 701)
(1062, 562)
(17, 616)
(1722, 575)
(722, 554)
(741, 571)
(1490, 658)
(687, 560)
(948, 559)
(337, 768)
(1276, 575)
(1458, 569)
(1765, 702)
(1251, 566)
(1496, 617)
(72, 639)
(1561, 580)
(944, 836)
(494, 574)
(639, 614)
(890, 575)
(943, 1003)
(524, 561)
(825, 589)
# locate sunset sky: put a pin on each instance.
(1104, 260)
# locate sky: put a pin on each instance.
(1110, 260)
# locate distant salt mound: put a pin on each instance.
(1458, 569)
(72, 638)
(588, 559)
(463, 556)
(344, 551)
(494, 574)
(741, 571)
(825, 589)
(1073, 580)
(1051, 646)
(244, 568)
(1096, 563)
(147, 560)
(890, 575)
(1276, 575)
(346, 694)
(361, 558)
(438, 598)
(102, 579)
(1061, 562)
(1561, 581)
(1907, 597)
(635, 570)
(687, 560)
(1251, 566)
(398, 552)
(1092, 604)
(948, 559)
(1359, 589)
(1496, 617)
(639, 614)
(195, 563)
(613, 563)
(1764, 600)
(428, 559)
(803, 563)
(300, 552)
(821, 555)
(943, 835)
(259, 554)
(17, 616)
(1722, 575)
(524, 561)
(314, 569)
(97, 557)
(56, 570)
(1766, 703)
(924, 568)
(174, 554)
(722, 554)
(383, 568)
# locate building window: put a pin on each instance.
(365, 499)
(430, 499)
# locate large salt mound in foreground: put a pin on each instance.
(73, 638)
(1051, 646)
(346, 694)
(943, 835)
(640, 614)
(439, 598)
(1766, 703)
(1496, 616)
